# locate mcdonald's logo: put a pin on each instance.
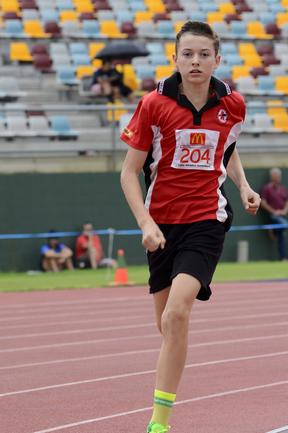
(197, 138)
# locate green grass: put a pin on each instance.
(138, 274)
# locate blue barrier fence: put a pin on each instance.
(114, 232)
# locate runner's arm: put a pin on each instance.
(152, 236)
(250, 199)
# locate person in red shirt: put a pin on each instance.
(183, 136)
(275, 201)
(89, 251)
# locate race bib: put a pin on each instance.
(195, 149)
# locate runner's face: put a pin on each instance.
(196, 59)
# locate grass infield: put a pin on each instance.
(251, 271)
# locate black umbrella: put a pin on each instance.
(122, 50)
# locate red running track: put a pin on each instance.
(83, 361)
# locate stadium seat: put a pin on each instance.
(9, 89)
(13, 28)
(52, 29)
(42, 62)
(163, 71)
(19, 126)
(238, 29)
(94, 48)
(20, 52)
(281, 84)
(247, 85)
(78, 48)
(140, 16)
(84, 71)
(165, 28)
(90, 28)
(256, 29)
(145, 71)
(65, 75)
(266, 84)
(240, 71)
(80, 59)
(281, 122)
(61, 126)
(71, 29)
(66, 15)
(110, 29)
(33, 28)
(263, 122)
(48, 15)
(65, 5)
(40, 127)
(275, 107)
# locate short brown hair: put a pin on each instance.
(198, 28)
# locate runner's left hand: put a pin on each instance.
(251, 200)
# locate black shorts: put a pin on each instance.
(193, 249)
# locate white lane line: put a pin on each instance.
(132, 337)
(278, 430)
(143, 325)
(225, 288)
(138, 352)
(80, 301)
(140, 373)
(113, 311)
(203, 312)
(145, 409)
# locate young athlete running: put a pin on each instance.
(183, 135)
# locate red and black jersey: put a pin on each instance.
(188, 150)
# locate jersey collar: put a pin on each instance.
(170, 87)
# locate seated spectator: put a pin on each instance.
(89, 250)
(274, 197)
(107, 81)
(56, 256)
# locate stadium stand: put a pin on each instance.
(49, 48)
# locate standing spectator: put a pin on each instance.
(275, 201)
(56, 256)
(89, 251)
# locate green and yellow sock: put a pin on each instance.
(163, 403)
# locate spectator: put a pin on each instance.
(107, 81)
(89, 250)
(56, 256)
(275, 201)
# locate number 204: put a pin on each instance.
(194, 155)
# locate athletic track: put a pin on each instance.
(82, 361)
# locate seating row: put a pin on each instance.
(19, 125)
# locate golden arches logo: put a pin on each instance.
(197, 138)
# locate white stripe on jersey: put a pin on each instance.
(233, 135)
(156, 155)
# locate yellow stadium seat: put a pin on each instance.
(156, 8)
(94, 48)
(83, 71)
(117, 113)
(97, 63)
(163, 71)
(239, 71)
(110, 29)
(19, 52)
(282, 18)
(281, 84)
(252, 60)
(169, 51)
(178, 25)
(143, 16)
(215, 17)
(33, 28)
(257, 30)
(129, 76)
(226, 8)
(246, 48)
(284, 3)
(84, 9)
(275, 107)
(281, 122)
(10, 6)
(68, 16)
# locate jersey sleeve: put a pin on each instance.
(138, 133)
